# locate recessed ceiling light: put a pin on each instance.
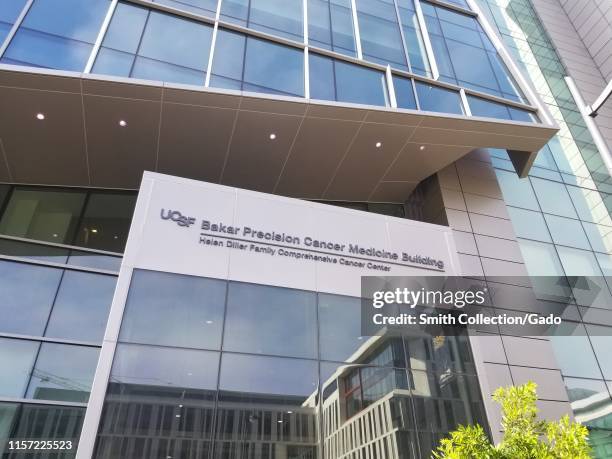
(93, 230)
(272, 136)
(54, 234)
(122, 123)
(40, 116)
(289, 412)
(422, 147)
(378, 144)
(209, 322)
(279, 421)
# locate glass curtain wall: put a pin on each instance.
(561, 215)
(267, 52)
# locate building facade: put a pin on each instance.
(464, 124)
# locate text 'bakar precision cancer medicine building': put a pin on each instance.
(198, 198)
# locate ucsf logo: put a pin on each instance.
(177, 217)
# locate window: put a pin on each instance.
(45, 215)
(600, 237)
(27, 293)
(9, 12)
(331, 79)
(81, 308)
(541, 259)
(251, 64)
(276, 17)
(553, 198)
(528, 224)
(574, 352)
(270, 320)
(136, 45)
(490, 109)
(404, 93)
(413, 38)
(204, 7)
(517, 192)
(57, 35)
(339, 327)
(94, 260)
(566, 231)
(437, 99)
(106, 221)
(381, 40)
(601, 338)
(459, 43)
(578, 262)
(330, 25)
(63, 372)
(584, 392)
(16, 360)
(174, 310)
(33, 251)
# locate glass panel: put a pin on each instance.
(567, 232)
(528, 224)
(487, 108)
(601, 338)
(339, 327)
(188, 310)
(33, 251)
(436, 99)
(331, 79)
(16, 360)
(574, 352)
(27, 292)
(599, 236)
(276, 17)
(269, 404)
(381, 40)
(413, 38)
(404, 93)
(516, 191)
(330, 25)
(106, 221)
(204, 7)
(578, 262)
(8, 411)
(540, 259)
(80, 311)
(94, 260)
(270, 320)
(585, 395)
(590, 205)
(9, 12)
(439, 353)
(45, 215)
(553, 198)
(63, 372)
(173, 392)
(37, 422)
(262, 67)
(64, 42)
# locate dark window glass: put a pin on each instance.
(27, 293)
(267, 399)
(270, 320)
(16, 360)
(58, 35)
(9, 12)
(439, 353)
(204, 7)
(257, 65)
(136, 45)
(331, 79)
(37, 422)
(63, 372)
(94, 260)
(174, 310)
(490, 109)
(4, 192)
(106, 221)
(381, 40)
(172, 390)
(81, 308)
(45, 215)
(34, 251)
(330, 25)
(413, 38)
(276, 17)
(404, 93)
(437, 99)
(339, 327)
(459, 43)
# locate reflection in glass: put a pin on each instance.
(94, 260)
(490, 109)
(81, 307)
(251, 64)
(270, 320)
(33, 251)
(566, 231)
(437, 99)
(528, 224)
(45, 215)
(267, 404)
(204, 7)
(277, 17)
(591, 402)
(170, 393)
(63, 372)
(553, 197)
(339, 343)
(331, 79)
(601, 338)
(330, 25)
(63, 43)
(404, 93)
(9, 12)
(517, 191)
(16, 360)
(574, 352)
(106, 221)
(27, 293)
(174, 310)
